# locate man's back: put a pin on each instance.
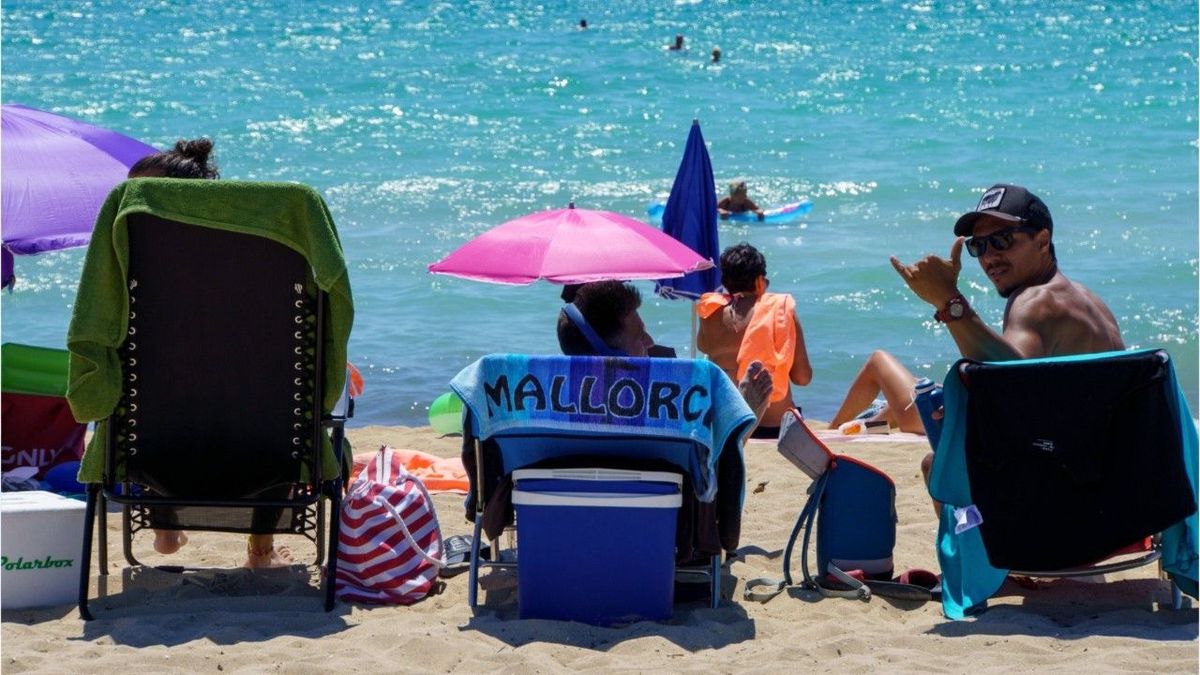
(1060, 318)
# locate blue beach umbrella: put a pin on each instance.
(691, 217)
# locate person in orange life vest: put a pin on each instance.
(746, 324)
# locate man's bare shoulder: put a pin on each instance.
(1070, 318)
(1041, 302)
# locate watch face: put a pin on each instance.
(956, 310)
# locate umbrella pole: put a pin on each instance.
(695, 328)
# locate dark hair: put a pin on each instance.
(604, 304)
(569, 291)
(188, 159)
(741, 266)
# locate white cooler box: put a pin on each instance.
(41, 536)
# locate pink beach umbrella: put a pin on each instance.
(570, 246)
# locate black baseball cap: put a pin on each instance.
(1007, 202)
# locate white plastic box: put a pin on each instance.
(41, 538)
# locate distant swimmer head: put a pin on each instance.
(583, 23)
(716, 54)
(678, 42)
(737, 186)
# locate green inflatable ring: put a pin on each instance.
(445, 414)
(33, 370)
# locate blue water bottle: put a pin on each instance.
(929, 398)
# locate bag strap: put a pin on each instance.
(412, 542)
(763, 589)
(773, 587)
(857, 589)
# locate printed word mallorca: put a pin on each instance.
(624, 397)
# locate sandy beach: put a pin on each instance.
(236, 621)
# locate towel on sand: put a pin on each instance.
(438, 474)
(770, 336)
(293, 215)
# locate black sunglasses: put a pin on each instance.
(1001, 240)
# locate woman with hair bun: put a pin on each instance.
(188, 159)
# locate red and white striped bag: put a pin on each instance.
(390, 544)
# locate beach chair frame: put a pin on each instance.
(295, 381)
(1133, 556)
(710, 572)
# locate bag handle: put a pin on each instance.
(412, 542)
(773, 587)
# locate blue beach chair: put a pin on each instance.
(1051, 465)
(672, 416)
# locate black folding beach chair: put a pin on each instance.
(219, 426)
(1054, 466)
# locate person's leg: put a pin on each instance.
(756, 389)
(167, 542)
(261, 552)
(260, 546)
(882, 373)
(926, 467)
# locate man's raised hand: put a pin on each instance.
(933, 279)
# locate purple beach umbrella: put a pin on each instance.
(56, 172)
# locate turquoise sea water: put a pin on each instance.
(425, 123)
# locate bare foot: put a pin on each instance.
(167, 542)
(273, 557)
(756, 388)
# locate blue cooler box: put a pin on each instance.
(596, 545)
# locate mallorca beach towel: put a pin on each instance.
(770, 336)
(969, 578)
(670, 398)
(438, 474)
(293, 215)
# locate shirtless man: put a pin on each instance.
(738, 201)
(725, 318)
(1047, 314)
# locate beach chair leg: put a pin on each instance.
(715, 573)
(85, 555)
(127, 536)
(473, 569)
(335, 528)
(1176, 596)
(319, 539)
(102, 518)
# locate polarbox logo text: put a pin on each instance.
(22, 564)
